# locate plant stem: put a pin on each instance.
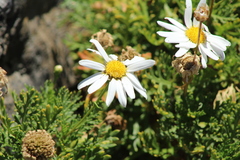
(198, 38)
(87, 113)
(210, 12)
(199, 33)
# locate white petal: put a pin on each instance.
(203, 49)
(188, 14)
(92, 65)
(113, 57)
(112, 88)
(187, 44)
(188, 4)
(136, 59)
(100, 49)
(173, 37)
(218, 45)
(142, 92)
(218, 51)
(98, 84)
(204, 60)
(169, 34)
(122, 98)
(135, 82)
(176, 39)
(206, 28)
(89, 80)
(95, 51)
(176, 23)
(128, 87)
(140, 66)
(195, 23)
(181, 52)
(201, 3)
(169, 26)
(218, 41)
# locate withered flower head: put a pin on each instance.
(129, 54)
(104, 38)
(37, 145)
(188, 65)
(116, 121)
(3, 82)
(202, 12)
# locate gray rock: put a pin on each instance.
(31, 44)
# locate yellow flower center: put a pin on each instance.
(192, 34)
(115, 69)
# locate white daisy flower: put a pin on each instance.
(121, 75)
(187, 36)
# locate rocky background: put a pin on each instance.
(31, 44)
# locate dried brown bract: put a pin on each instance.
(202, 12)
(128, 54)
(230, 93)
(3, 82)
(187, 65)
(104, 38)
(37, 145)
(116, 121)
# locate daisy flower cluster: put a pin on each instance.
(194, 34)
(119, 71)
(120, 74)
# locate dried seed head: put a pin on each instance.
(187, 65)
(104, 38)
(3, 82)
(129, 54)
(202, 12)
(37, 145)
(116, 121)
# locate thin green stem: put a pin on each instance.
(101, 94)
(83, 119)
(199, 33)
(80, 122)
(198, 38)
(210, 11)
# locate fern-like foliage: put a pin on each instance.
(77, 136)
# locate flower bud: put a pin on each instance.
(37, 145)
(130, 53)
(58, 68)
(202, 12)
(187, 65)
(104, 38)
